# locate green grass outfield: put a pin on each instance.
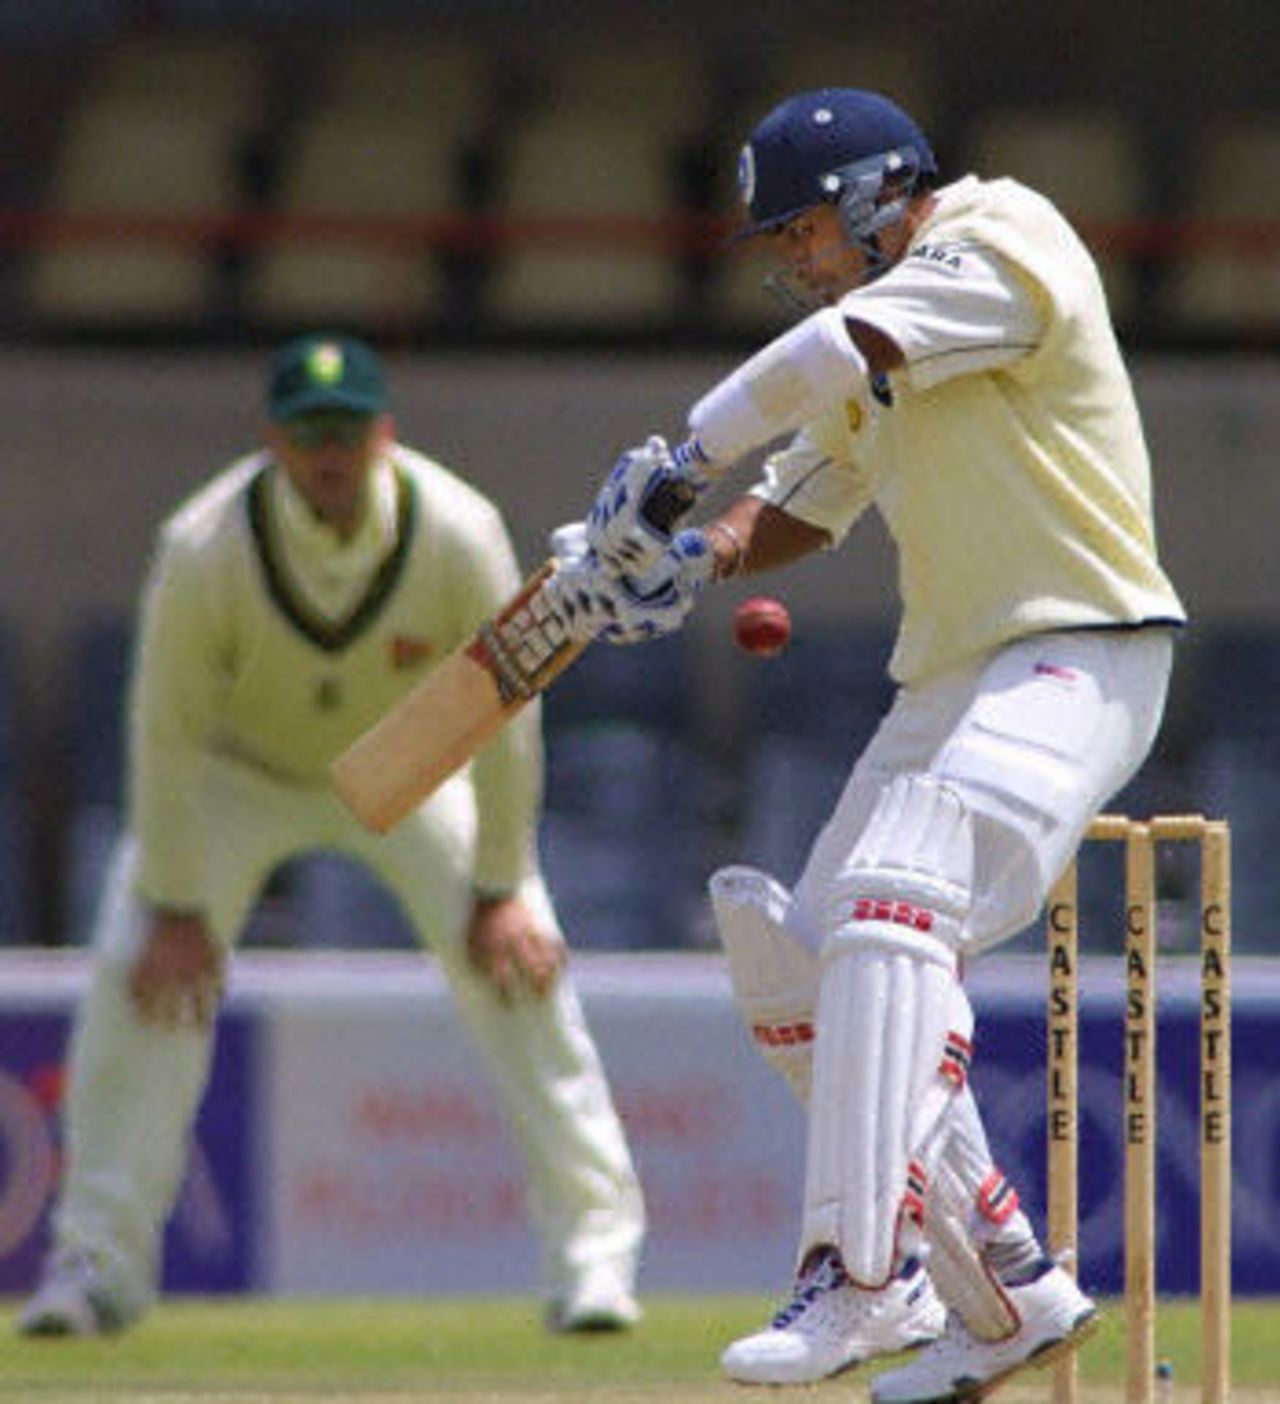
(494, 1350)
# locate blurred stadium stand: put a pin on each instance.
(626, 797)
(1222, 289)
(390, 129)
(1236, 764)
(1088, 161)
(15, 915)
(809, 712)
(196, 172)
(201, 168)
(598, 141)
(156, 132)
(95, 769)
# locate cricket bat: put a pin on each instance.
(438, 725)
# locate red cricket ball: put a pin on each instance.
(762, 626)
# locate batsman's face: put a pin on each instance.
(328, 456)
(817, 256)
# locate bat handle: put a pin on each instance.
(668, 502)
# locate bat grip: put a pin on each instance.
(668, 502)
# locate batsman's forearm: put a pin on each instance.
(780, 389)
(752, 536)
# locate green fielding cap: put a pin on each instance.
(325, 372)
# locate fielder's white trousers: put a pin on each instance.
(134, 1088)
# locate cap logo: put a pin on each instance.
(747, 174)
(325, 364)
(824, 117)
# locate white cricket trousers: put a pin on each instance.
(1035, 739)
(134, 1089)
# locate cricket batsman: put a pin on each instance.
(954, 365)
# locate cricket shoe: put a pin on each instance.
(72, 1300)
(1054, 1317)
(598, 1301)
(829, 1326)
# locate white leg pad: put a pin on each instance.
(910, 875)
(772, 968)
(894, 1035)
(894, 1028)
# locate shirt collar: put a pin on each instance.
(304, 531)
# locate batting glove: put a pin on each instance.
(659, 603)
(648, 493)
(593, 603)
(581, 593)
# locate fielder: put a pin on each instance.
(956, 367)
(289, 603)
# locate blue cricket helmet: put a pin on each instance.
(836, 146)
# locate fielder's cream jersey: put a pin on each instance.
(267, 639)
(1007, 456)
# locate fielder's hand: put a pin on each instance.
(176, 981)
(505, 944)
(645, 497)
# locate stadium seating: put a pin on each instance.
(383, 140)
(95, 769)
(155, 134)
(1225, 290)
(15, 911)
(810, 711)
(597, 142)
(1236, 766)
(624, 796)
(1089, 162)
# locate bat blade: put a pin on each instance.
(440, 724)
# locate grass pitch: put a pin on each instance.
(493, 1351)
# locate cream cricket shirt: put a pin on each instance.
(266, 639)
(1007, 456)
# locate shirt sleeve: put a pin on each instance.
(826, 490)
(172, 689)
(953, 309)
(507, 773)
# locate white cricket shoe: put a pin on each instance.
(830, 1325)
(600, 1300)
(1055, 1317)
(72, 1300)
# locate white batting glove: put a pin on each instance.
(648, 493)
(593, 603)
(660, 602)
(581, 592)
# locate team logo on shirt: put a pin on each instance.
(408, 651)
(944, 255)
